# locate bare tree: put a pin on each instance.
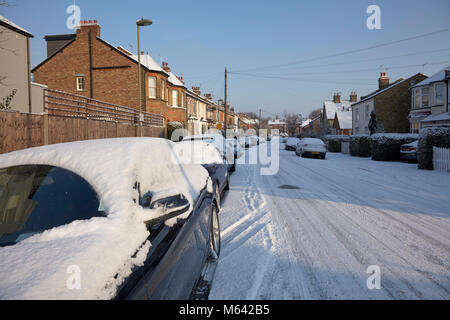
(315, 113)
(293, 121)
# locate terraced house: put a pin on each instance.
(86, 65)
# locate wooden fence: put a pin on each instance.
(69, 118)
(441, 159)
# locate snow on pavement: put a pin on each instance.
(317, 241)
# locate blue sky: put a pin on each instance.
(199, 38)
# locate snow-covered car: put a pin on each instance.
(250, 141)
(220, 143)
(311, 147)
(236, 145)
(408, 151)
(291, 144)
(209, 157)
(104, 219)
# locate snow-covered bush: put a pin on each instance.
(429, 138)
(334, 142)
(360, 146)
(172, 126)
(386, 146)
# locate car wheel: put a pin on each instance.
(227, 186)
(218, 196)
(214, 238)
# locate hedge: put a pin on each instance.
(386, 146)
(360, 146)
(334, 142)
(429, 138)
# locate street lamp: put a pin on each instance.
(140, 23)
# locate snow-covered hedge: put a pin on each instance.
(360, 146)
(429, 138)
(172, 126)
(386, 146)
(334, 142)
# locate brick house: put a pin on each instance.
(277, 124)
(84, 64)
(391, 102)
(336, 117)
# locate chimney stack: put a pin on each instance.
(86, 26)
(208, 96)
(383, 82)
(337, 97)
(353, 97)
(196, 90)
(165, 66)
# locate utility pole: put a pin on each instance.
(225, 98)
(259, 121)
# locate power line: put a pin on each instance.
(350, 51)
(375, 59)
(300, 79)
(344, 71)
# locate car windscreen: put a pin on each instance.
(35, 198)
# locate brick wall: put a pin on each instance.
(393, 106)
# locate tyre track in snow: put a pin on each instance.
(340, 225)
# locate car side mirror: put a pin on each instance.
(172, 206)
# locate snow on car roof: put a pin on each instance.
(100, 248)
(312, 140)
(198, 152)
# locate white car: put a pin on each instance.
(311, 147)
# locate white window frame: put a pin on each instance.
(417, 98)
(441, 85)
(163, 89)
(152, 87)
(174, 98)
(357, 114)
(367, 113)
(80, 83)
(425, 95)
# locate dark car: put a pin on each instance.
(408, 151)
(80, 213)
(211, 159)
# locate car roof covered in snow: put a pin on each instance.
(104, 249)
(312, 140)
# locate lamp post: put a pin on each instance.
(140, 23)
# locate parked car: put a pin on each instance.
(311, 147)
(408, 151)
(209, 157)
(112, 218)
(218, 140)
(250, 141)
(291, 143)
(235, 144)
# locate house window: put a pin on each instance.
(167, 94)
(367, 111)
(80, 83)
(439, 93)
(175, 98)
(425, 92)
(163, 89)
(416, 98)
(357, 114)
(152, 87)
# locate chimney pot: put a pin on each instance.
(85, 21)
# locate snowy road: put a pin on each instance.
(317, 241)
